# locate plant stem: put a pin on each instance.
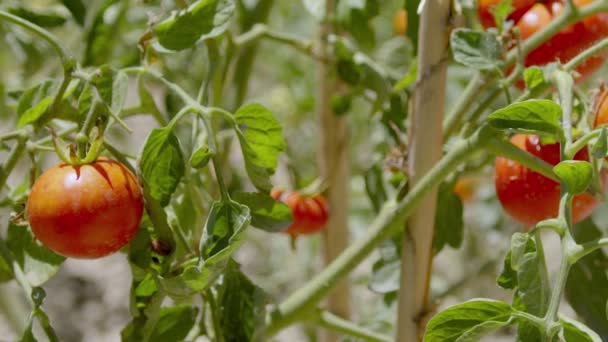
(504, 148)
(262, 31)
(11, 160)
(215, 160)
(330, 321)
(582, 142)
(44, 321)
(389, 221)
(466, 99)
(67, 61)
(217, 330)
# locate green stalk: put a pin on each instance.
(262, 31)
(67, 61)
(330, 321)
(390, 220)
(468, 97)
(12, 159)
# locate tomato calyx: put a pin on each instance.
(68, 153)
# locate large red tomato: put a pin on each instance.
(530, 197)
(530, 17)
(85, 211)
(310, 214)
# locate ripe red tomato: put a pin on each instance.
(85, 211)
(310, 214)
(530, 17)
(530, 197)
(400, 22)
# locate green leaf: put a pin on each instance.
(500, 12)
(261, 142)
(449, 222)
(46, 19)
(374, 186)
(101, 35)
(532, 290)
(33, 114)
(162, 164)
(78, 10)
(174, 323)
(467, 320)
(600, 148)
(203, 19)
(201, 157)
(587, 284)
(266, 213)
(478, 50)
(112, 87)
(355, 17)
(574, 331)
(508, 277)
(536, 116)
(408, 79)
(223, 235)
(38, 263)
(575, 175)
(534, 77)
(239, 297)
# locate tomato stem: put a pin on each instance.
(11, 160)
(330, 321)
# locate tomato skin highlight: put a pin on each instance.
(85, 211)
(530, 197)
(310, 214)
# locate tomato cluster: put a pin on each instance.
(310, 213)
(85, 211)
(531, 16)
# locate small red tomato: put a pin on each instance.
(310, 214)
(530, 197)
(85, 211)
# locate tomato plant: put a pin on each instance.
(149, 135)
(85, 211)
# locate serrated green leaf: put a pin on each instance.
(203, 19)
(475, 49)
(260, 136)
(575, 175)
(174, 323)
(239, 297)
(536, 116)
(467, 318)
(32, 96)
(162, 164)
(266, 213)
